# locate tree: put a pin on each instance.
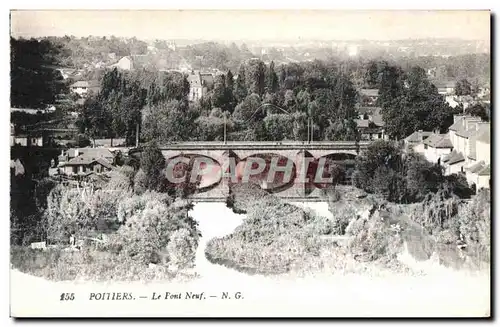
(211, 128)
(169, 121)
(123, 97)
(418, 106)
(391, 85)
(174, 86)
(422, 177)
(240, 91)
(272, 79)
(463, 87)
(342, 130)
(94, 119)
(475, 224)
(303, 99)
(299, 126)
(247, 109)
(152, 164)
(257, 82)
(279, 127)
(181, 248)
(289, 100)
(372, 75)
(382, 155)
(34, 80)
(478, 110)
(230, 98)
(219, 93)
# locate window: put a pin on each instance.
(425, 146)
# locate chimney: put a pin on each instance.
(482, 126)
(76, 153)
(420, 135)
(468, 120)
(457, 118)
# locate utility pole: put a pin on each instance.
(137, 136)
(225, 132)
(311, 136)
(308, 129)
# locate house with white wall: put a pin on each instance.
(80, 87)
(435, 147)
(414, 141)
(470, 138)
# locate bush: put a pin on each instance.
(475, 225)
(274, 238)
(122, 179)
(135, 204)
(373, 239)
(87, 264)
(146, 233)
(78, 211)
(181, 248)
(140, 182)
(437, 212)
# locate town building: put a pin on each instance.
(25, 139)
(370, 123)
(415, 139)
(132, 62)
(435, 147)
(81, 161)
(81, 87)
(472, 150)
(199, 85)
(446, 88)
(369, 97)
(465, 149)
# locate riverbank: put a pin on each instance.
(358, 233)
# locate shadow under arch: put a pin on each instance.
(203, 183)
(279, 183)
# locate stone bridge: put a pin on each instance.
(216, 185)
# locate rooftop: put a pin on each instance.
(460, 128)
(477, 167)
(454, 157)
(362, 123)
(415, 136)
(485, 172)
(83, 160)
(441, 141)
(445, 84)
(369, 92)
(81, 84)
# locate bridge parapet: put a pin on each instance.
(285, 145)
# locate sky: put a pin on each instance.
(254, 25)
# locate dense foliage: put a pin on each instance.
(403, 178)
(35, 82)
